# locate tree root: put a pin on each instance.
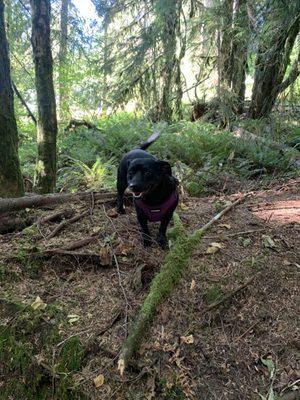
(164, 282)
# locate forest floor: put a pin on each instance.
(207, 341)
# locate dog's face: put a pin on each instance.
(145, 174)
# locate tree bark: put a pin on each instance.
(240, 44)
(45, 178)
(270, 69)
(226, 45)
(11, 183)
(64, 110)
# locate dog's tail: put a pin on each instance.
(152, 138)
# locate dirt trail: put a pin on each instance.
(199, 347)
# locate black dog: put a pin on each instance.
(153, 187)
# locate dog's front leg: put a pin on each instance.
(120, 206)
(144, 230)
(161, 237)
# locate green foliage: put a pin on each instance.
(199, 152)
(78, 174)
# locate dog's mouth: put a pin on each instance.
(137, 195)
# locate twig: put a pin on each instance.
(124, 293)
(236, 233)
(56, 216)
(66, 222)
(229, 295)
(249, 329)
(79, 243)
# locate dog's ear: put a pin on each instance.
(165, 167)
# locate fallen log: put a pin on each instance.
(14, 224)
(20, 203)
(164, 282)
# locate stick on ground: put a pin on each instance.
(164, 282)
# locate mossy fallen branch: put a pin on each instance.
(164, 282)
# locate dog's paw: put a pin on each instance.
(163, 242)
(121, 210)
(146, 240)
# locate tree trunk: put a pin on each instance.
(169, 17)
(226, 45)
(64, 110)
(240, 52)
(11, 183)
(47, 123)
(271, 65)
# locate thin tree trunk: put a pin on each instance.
(11, 183)
(47, 123)
(64, 110)
(270, 69)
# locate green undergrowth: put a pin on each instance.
(32, 365)
(199, 152)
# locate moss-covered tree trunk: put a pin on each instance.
(64, 110)
(47, 122)
(11, 183)
(271, 64)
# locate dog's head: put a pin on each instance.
(144, 174)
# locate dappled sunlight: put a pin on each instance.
(281, 212)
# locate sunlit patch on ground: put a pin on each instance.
(282, 212)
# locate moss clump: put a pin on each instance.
(71, 356)
(195, 188)
(35, 333)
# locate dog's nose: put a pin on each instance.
(133, 187)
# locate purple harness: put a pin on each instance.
(156, 213)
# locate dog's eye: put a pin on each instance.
(148, 175)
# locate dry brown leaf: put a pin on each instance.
(193, 284)
(183, 206)
(112, 213)
(121, 366)
(99, 381)
(227, 226)
(105, 255)
(187, 339)
(38, 304)
(151, 387)
(214, 248)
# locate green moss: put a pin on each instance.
(213, 294)
(195, 188)
(175, 393)
(71, 356)
(32, 333)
